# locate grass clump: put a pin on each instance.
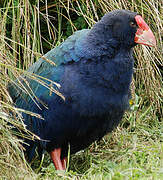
(12, 162)
(134, 150)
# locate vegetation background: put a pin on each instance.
(28, 29)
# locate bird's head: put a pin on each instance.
(126, 27)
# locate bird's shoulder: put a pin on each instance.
(66, 52)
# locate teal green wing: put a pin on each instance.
(43, 75)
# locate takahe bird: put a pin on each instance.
(94, 68)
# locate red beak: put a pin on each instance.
(144, 35)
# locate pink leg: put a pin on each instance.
(64, 162)
(56, 158)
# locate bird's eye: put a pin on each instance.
(133, 24)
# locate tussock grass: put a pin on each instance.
(134, 150)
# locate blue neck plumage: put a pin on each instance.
(109, 64)
(93, 46)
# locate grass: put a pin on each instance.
(134, 150)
